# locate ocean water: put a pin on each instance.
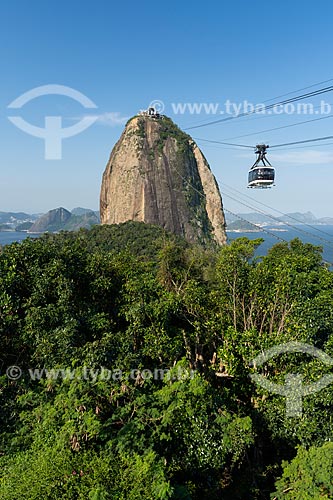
(319, 235)
(7, 237)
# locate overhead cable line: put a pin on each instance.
(259, 228)
(288, 148)
(225, 143)
(302, 142)
(267, 232)
(301, 147)
(300, 90)
(278, 211)
(276, 219)
(265, 108)
(274, 145)
(283, 126)
(290, 93)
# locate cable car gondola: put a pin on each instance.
(261, 174)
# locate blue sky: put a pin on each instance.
(123, 55)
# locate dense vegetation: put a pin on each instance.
(102, 312)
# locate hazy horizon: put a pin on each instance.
(224, 66)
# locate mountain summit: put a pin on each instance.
(158, 175)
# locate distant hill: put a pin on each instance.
(83, 211)
(60, 219)
(9, 221)
(25, 226)
(240, 225)
(52, 221)
(293, 218)
(86, 220)
(6, 217)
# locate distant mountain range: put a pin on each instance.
(58, 219)
(265, 220)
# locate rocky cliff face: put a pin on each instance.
(158, 175)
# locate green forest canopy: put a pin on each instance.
(129, 300)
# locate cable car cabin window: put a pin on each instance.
(261, 174)
(261, 177)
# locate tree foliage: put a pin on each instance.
(135, 351)
(308, 476)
